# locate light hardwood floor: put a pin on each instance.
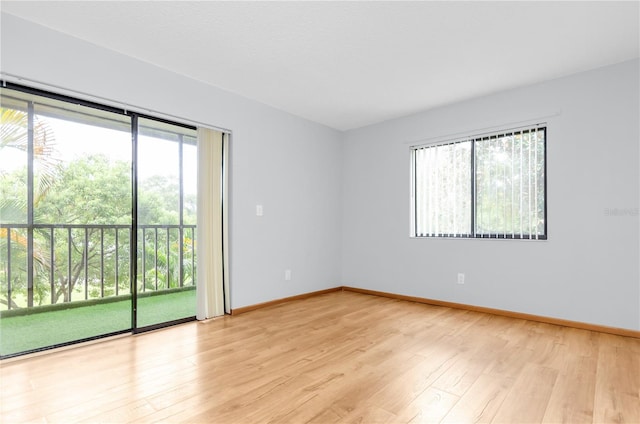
(338, 357)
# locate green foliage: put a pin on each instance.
(91, 190)
(13, 197)
(14, 135)
(158, 201)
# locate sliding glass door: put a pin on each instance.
(97, 221)
(167, 189)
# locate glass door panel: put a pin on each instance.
(166, 223)
(67, 179)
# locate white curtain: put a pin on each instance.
(210, 292)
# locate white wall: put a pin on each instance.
(290, 165)
(587, 271)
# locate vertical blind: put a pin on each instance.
(489, 186)
(443, 190)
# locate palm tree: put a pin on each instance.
(14, 134)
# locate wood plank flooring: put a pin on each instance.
(336, 358)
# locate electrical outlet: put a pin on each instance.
(460, 278)
(259, 210)
(287, 275)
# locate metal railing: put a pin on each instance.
(81, 262)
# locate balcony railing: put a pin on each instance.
(72, 262)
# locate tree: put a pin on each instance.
(14, 135)
(90, 191)
(83, 194)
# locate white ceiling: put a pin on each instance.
(351, 64)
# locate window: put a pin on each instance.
(488, 186)
(97, 221)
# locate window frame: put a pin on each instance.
(473, 195)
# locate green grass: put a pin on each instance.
(40, 329)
